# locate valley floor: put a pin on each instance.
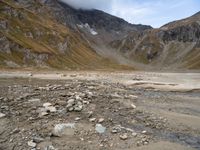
(99, 110)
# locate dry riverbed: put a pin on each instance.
(99, 111)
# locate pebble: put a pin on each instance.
(47, 104)
(90, 114)
(101, 120)
(49, 108)
(132, 96)
(86, 102)
(123, 137)
(100, 129)
(77, 119)
(34, 100)
(133, 106)
(50, 147)
(92, 120)
(71, 102)
(144, 132)
(32, 144)
(38, 139)
(114, 131)
(78, 108)
(71, 109)
(43, 114)
(2, 115)
(134, 134)
(30, 74)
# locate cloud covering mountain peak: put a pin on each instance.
(89, 4)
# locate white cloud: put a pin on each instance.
(90, 4)
(131, 10)
(149, 12)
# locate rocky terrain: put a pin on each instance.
(45, 107)
(88, 110)
(173, 46)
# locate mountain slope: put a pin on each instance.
(173, 46)
(51, 34)
(30, 36)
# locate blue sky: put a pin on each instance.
(150, 12)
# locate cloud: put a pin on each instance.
(149, 12)
(90, 4)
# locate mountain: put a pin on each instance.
(175, 45)
(52, 34)
(32, 36)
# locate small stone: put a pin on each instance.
(133, 106)
(32, 144)
(43, 114)
(138, 143)
(123, 137)
(100, 129)
(78, 108)
(38, 139)
(114, 131)
(101, 120)
(77, 97)
(92, 120)
(51, 109)
(30, 74)
(16, 130)
(70, 109)
(146, 143)
(47, 104)
(71, 101)
(50, 147)
(134, 134)
(144, 132)
(34, 100)
(132, 97)
(86, 102)
(90, 114)
(2, 115)
(77, 119)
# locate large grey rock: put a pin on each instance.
(65, 129)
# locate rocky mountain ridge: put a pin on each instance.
(51, 34)
(175, 45)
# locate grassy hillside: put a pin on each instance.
(36, 39)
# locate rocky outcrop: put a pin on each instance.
(175, 45)
(188, 33)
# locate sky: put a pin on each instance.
(149, 12)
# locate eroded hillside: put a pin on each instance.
(30, 36)
(173, 46)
